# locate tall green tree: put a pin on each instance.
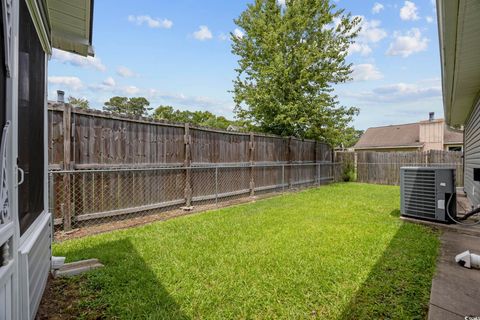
(351, 137)
(289, 59)
(81, 103)
(137, 106)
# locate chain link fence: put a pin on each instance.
(85, 198)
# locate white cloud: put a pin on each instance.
(377, 7)
(409, 43)
(217, 106)
(399, 92)
(125, 72)
(429, 19)
(78, 61)
(110, 87)
(223, 37)
(409, 11)
(151, 22)
(109, 82)
(238, 33)
(203, 33)
(365, 72)
(406, 91)
(361, 48)
(73, 83)
(370, 33)
(131, 90)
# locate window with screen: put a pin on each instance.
(31, 107)
(455, 148)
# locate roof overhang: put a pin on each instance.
(65, 25)
(456, 143)
(459, 32)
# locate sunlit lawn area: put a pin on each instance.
(336, 252)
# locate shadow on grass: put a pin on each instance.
(398, 286)
(395, 213)
(126, 287)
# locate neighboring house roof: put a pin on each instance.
(401, 136)
(452, 136)
(395, 136)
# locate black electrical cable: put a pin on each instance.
(470, 213)
(456, 221)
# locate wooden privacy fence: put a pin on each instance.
(103, 165)
(384, 167)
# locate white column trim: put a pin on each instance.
(12, 116)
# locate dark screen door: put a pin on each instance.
(31, 105)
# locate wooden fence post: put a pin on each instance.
(315, 165)
(67, 133)
(290, 161)
(187, 163)
(355, 164)
(252, 170)
(333, 160)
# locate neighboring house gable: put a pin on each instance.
(421, 136)
(404, 136)
(453, 140)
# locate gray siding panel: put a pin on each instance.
(472, 155)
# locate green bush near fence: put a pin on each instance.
(349, 174)
(335, 252)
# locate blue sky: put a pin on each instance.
(179, 53)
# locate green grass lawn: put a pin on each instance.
(336, 252)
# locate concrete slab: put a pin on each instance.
(455, 290)
(76, 268)
(436, 313)
(470, 230)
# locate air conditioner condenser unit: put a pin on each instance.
(426, 192)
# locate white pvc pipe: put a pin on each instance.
(468, 260)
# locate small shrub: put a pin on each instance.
(349, 174)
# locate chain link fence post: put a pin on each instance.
(187, 164)
(51, 200)
(216, 185)
(252, 168)
(66, 205)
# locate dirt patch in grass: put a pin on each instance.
(67, 298)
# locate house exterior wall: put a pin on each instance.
(432, 134)
(472, 155)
